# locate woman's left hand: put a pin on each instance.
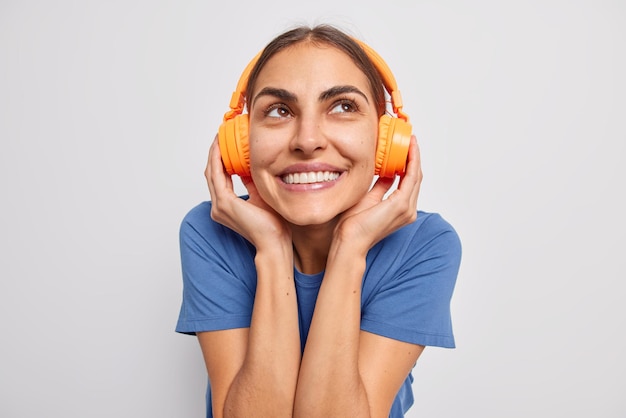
(373, 218)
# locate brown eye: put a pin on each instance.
(344, 106)
(277, 111)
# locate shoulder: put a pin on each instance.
(197, 224)
(430, 232)
(432, 222)
(440, 231)
(199, 231)
(427, 248)
(410, 279)
(199, 219)
(198, 214)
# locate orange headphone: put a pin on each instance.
(394, 133)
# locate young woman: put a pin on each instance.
(314, 296)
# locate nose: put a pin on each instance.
(309, 136)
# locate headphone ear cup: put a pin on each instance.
(234, 145)
(394, 137)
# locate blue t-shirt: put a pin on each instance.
(407, 286)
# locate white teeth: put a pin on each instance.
(310, 177)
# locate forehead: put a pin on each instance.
(311, 66)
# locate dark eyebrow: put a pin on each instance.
(287, 96)
(281, 94)
(339, 90)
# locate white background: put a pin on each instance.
(107, 110)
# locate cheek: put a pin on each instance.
(368, 150)
(260, 150)
(264, 152)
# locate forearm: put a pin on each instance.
(329, 383)
(265, 385)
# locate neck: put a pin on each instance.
(311, 246)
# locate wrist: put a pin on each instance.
(343, 255)
(274, 255)
(347, 248)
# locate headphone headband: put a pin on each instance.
(238, 98)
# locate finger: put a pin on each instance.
(413, 166)
(207, 169)
(219, 170)
(408, 189)
(374, 195)
(219, 181)
(412, 177)
(416, 168)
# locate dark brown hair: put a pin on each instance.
(327, 35)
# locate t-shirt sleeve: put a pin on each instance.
(411, 280)
(219, 279)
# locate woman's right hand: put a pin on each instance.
(253, 218)
(375, 217)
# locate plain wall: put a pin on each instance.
(107, 110)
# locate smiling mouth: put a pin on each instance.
(310, 177)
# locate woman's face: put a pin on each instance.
(313, 132)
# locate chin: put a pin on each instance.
(317, 220)
(311, 217)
